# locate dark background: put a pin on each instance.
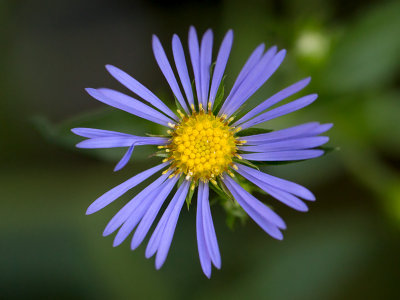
(346, 247)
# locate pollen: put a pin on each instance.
(202, 146)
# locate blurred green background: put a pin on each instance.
(346, 247)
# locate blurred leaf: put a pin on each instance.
(60, 134)
(252, 131)
(368, 54)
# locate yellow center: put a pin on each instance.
(202, 146)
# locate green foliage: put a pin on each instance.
(253, 131)
(220, 95)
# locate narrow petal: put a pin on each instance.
(287, 92)
(128, 104)
(194, 51)
(157, 235)
(205, 260)
(121, 189)
(321, 129)
(96, 133)
(166, 69)
(180, 62)
(140, 90)
(280, 195)
(248, 202)
(283, 134)
(121, 141)
(125, 159)
(209, 231)
(137, 214)
(283, 155)
(252, 61)
(251, 80)
(291, 144)
(205, 65)
(151, 213)
(281, 110)
(220, 65)
(124, 213)
(254, 83)
(169, 229)
(279, 183)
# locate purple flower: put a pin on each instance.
(204, 146)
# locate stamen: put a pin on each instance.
(171, 125)
(180, 113)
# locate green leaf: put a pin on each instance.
(159, 154)
(246, 163)
(253, 131)
(180, 181)
(178, 105)
(219, 96)
(219, 191)
(189, 197)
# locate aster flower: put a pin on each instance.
(205, 146)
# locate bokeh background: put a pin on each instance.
(346, 247)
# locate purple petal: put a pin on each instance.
(279, 183)
(157, 235)
(251, 80)
(283, 155)
(125, 159)
(280, 195)
(209, 231)
(320, 129)
(251, 205)
(205, 65)
(169, 229)
(281, 110)
(140, 90)
(137, 215)
(194, 51)
(180, 62)
(122, 141)
(274, 99)
(166, 69)
(151, 213)
(256, 81)
(128, 104)
(220, 65)
(292, 144)
(96, 133)
(205, 260)
(124, 213)
(121, 189)
(291, 132)
(249, 65)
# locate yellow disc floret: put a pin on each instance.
(202, 146)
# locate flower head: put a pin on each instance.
(205, 146)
